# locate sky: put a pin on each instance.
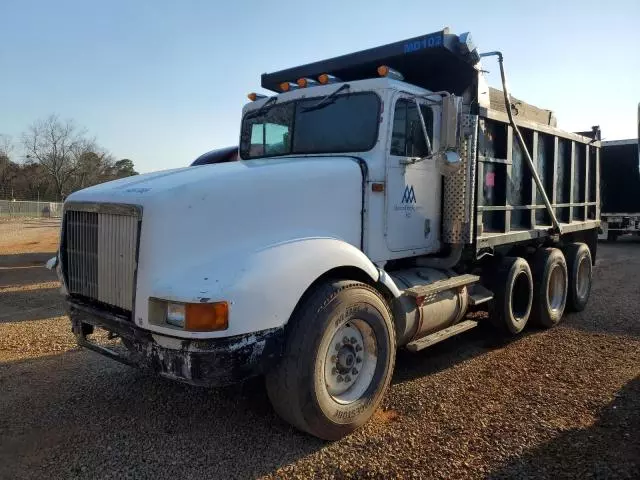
(161, 82)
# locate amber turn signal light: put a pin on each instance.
(206, 317)
(385, 71)
(325, 79)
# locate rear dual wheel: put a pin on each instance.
(557, 280)
(512, 286)
(580, 268)
(550, 287)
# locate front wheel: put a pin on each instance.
(338, 360)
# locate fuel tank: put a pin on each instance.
(441, 310)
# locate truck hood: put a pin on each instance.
(219, 214)
(235, 193)
(139, 188)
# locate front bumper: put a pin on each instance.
(211, 362)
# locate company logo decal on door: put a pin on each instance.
(409, 195)
(408, 202)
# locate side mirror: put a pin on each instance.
(449, 124)
(449, 162)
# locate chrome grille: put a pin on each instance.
(100, 252)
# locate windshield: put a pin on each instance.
(349, 123)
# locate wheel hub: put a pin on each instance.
(346, 359)
(584, 274)
(556, 289)
(352, 350)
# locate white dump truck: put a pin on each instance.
(377, 197)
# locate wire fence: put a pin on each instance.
(30, 209)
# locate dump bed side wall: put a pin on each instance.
(620, 178)
(509, 206)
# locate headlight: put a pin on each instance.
(176, 314)
(198, 317)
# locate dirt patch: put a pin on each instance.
(29, 236)
(385, 416)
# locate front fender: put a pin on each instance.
(262, 287)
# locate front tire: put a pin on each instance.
(338, 360)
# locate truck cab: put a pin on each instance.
(376, 198)
(374, 126)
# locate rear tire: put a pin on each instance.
(338, 360)
(512, 287)
(612, 236)
(580, 269)
(550, 287)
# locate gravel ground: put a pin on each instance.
(563, 403)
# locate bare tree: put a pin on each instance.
(55, 144)
(61, 159)
(6, 146)
(7, 167)
(93, 166)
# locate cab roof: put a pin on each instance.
(436, 61)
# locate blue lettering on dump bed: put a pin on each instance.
(430, 41)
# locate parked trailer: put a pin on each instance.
(377, 198)
(620, 187)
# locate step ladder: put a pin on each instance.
(441, 335)
(479, 295)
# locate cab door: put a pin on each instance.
(413, 188)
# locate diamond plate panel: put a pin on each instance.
(459, 188)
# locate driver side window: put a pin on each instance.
(407, 139)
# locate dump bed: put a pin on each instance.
(509, 207)
(620, 177)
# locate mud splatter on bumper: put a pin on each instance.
(214, 362)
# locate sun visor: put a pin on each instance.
(437, 61)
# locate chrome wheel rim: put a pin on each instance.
(350, 361)
(583, 277)
(556, 288)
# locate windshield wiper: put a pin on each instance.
(326, 100)
(263, 108)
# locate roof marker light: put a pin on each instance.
(306, 82)
(325, 79)
(288, 86)
(255, 96)
(388, 72)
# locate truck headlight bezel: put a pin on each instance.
(190, 317)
